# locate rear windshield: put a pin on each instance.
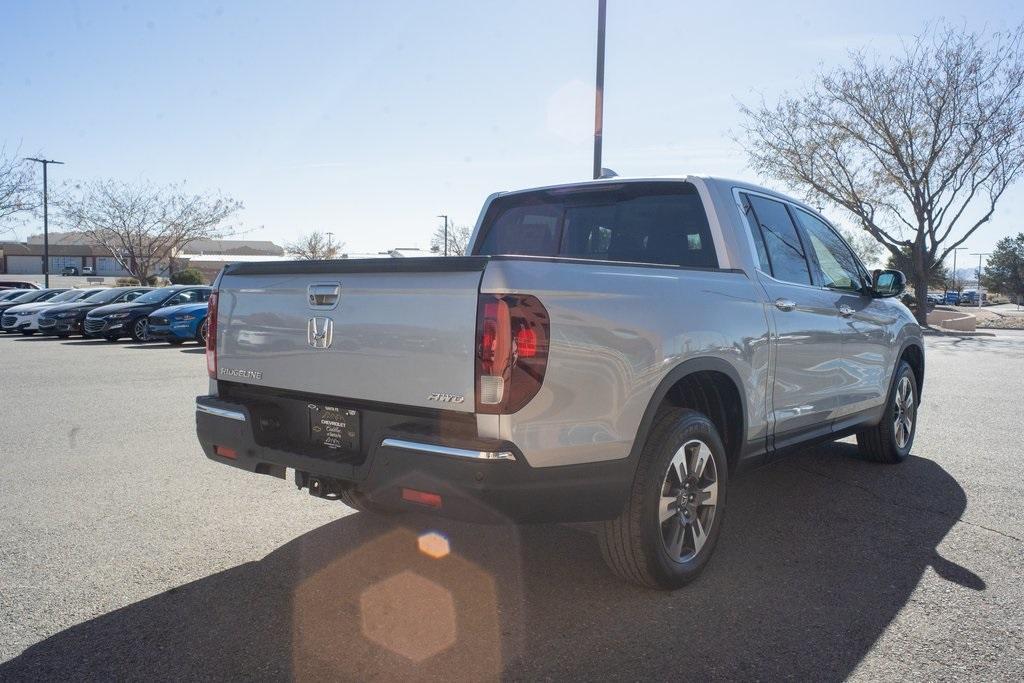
(658, 223)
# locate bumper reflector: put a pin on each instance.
(422, 497)
(225, 452)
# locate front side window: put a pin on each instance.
(837, 265)
(782, 247)
(652, 223)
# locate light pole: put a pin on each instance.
(46, 219)
(602, 11)
(445, 217)
(980, 254)
(955, 249)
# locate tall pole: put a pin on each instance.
(602, 9)
(955, 249)
(445, 217)
(46, 220)
(980, 255)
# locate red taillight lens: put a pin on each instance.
(512, 351)
(211, 335)
(422, 497)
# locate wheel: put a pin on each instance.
(204, 328)
(671, 522)
(358, 502)
(891, 439)
(140, 330)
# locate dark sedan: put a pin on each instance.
(130, 319)
(67, 319)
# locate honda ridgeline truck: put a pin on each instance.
(611, 351)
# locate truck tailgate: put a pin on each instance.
(400, 333)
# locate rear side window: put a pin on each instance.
(782, 246)
(656, 223)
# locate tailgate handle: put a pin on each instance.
(324, 294)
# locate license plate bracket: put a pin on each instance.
(333, 428)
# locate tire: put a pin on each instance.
(201, 332)
(891, 439)
(140, 330)
(27, 333)
(643, 545)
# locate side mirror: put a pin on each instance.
(888, 283)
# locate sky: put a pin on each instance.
(368, 119)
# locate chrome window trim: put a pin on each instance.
(434, 449)
(220, 412)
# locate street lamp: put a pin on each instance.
(445, 217)
(955, 249)
(980, 254)
(46, 219)
(602, 11)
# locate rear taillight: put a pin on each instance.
(211, 335)
(511, 351)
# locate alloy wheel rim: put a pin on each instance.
(203, 331)
(142, 329)
(903, 421)
(689, 500)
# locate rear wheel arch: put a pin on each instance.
(709, 385)
(913, 353)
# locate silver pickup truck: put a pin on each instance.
(612, 351)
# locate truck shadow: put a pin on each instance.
(818, 555)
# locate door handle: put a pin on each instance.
(845, 311)
(785, 304)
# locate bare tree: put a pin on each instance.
(918, 148)
(314, 247)
(458, 240)
(18, 191)
(864, 245)
(143, 226)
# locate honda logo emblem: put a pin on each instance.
(320, 332)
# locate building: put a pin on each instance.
(27, 259)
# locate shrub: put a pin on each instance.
(188, 276)
(126, 282)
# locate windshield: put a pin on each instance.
(6, 296)
(104, 296)
(156, 296)
(70, 295)
(659, 223)
(34, 295)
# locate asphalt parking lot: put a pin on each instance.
(128, 555)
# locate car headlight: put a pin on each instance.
(24, 312)
(184, 318)
(118, 316)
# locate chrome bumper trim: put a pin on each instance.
(220, 412)
(446, 450)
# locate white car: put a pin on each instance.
(25, 317)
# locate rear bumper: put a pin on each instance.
(481, 482)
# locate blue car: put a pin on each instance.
(179, 324)
(953, 298)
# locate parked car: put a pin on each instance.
(179, 324)
(25, 317)
(88, 270)
(69, 270)
(7, 294)
(30, 296)
(117, 320)
(64, 320)
(934, 299)
(952, 298)
(613, 351)
(19, 284)
(970, 298)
